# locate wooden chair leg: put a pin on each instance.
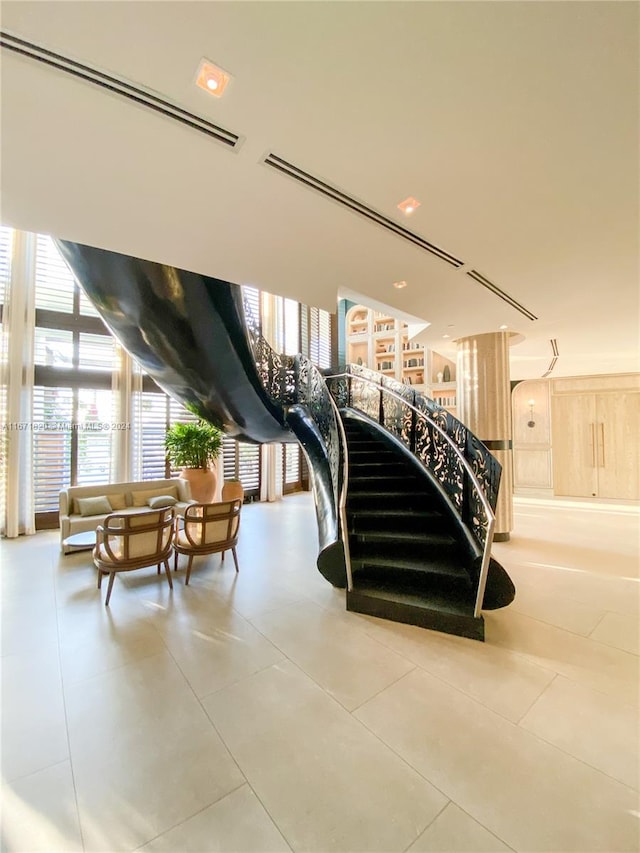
(158, 572)
(168, 573)
(186, 582)
(175, 561)
(223, 553)
(112, 577)
(235, 558)
(99, 578)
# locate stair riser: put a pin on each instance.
(382, 501)
(370, 469)
(461, 626)
(401, 524)
(384, 482)
(400, 550)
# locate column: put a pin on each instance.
(484, 405)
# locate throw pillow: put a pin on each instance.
(94, 506)
(142, 498)
(117, 501)
(161, 501)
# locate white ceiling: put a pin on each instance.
(515, 124)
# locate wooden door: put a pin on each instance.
(575, 472)
(617, 450)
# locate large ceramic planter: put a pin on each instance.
(232, 490)
(203, 482)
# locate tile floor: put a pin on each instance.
(252, 713)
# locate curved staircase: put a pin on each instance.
(410, 561)
(404, 493)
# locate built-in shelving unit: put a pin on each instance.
(381, 342)
(443, 382)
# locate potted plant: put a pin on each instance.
(195, 447)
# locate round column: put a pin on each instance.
(484, 405)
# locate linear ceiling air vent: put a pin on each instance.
(342, 198)
(476, 276)
(119, 87)
(554, 350)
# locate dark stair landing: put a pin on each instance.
(409, 562)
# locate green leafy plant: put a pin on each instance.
(193, 445)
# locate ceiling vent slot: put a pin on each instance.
(119, 87)
(369, 213)
(476, 276)
(554, 350)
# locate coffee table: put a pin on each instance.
(85, 540)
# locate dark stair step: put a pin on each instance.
(406, 545)
(448, 611)
(415, 572)
(385, 482)
(382, 499)
(372, 453)
(377, 467)
(398, 519)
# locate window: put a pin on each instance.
(155, 412)
(316, 335)
(73, 404)
(291, 468)
(242, 461)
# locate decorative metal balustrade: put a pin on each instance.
(468, 474)
(296, 381)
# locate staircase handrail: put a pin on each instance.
(344, 524)
(488, 528)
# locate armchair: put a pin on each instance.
(126, 542)
(209, 528)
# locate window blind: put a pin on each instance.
(55, 284)
(52, 414)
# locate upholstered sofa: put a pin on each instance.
(79, 514)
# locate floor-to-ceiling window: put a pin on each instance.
(78, 422)
(74, 415)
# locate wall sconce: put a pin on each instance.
(531, 423)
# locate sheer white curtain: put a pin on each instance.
(17, 385)
(126, 386)
(271, 479)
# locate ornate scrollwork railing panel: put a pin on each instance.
(414, 420)
(295, 380)
(312, 392)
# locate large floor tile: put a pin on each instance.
(335, 652)
(555, 609)
(95, 639)
(237, 823)
(529, 794)
(581, 659)
(622, 632)
(33, 726)
(28, 623)
(220, 651)
(594, 727)
(39, 813)
(327, 782)
(496, 677)
(145, 755)
(453, 831)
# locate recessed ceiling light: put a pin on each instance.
(212, 79)
(446, 336)
(503, 327)
(399, 284)
(409, 205)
